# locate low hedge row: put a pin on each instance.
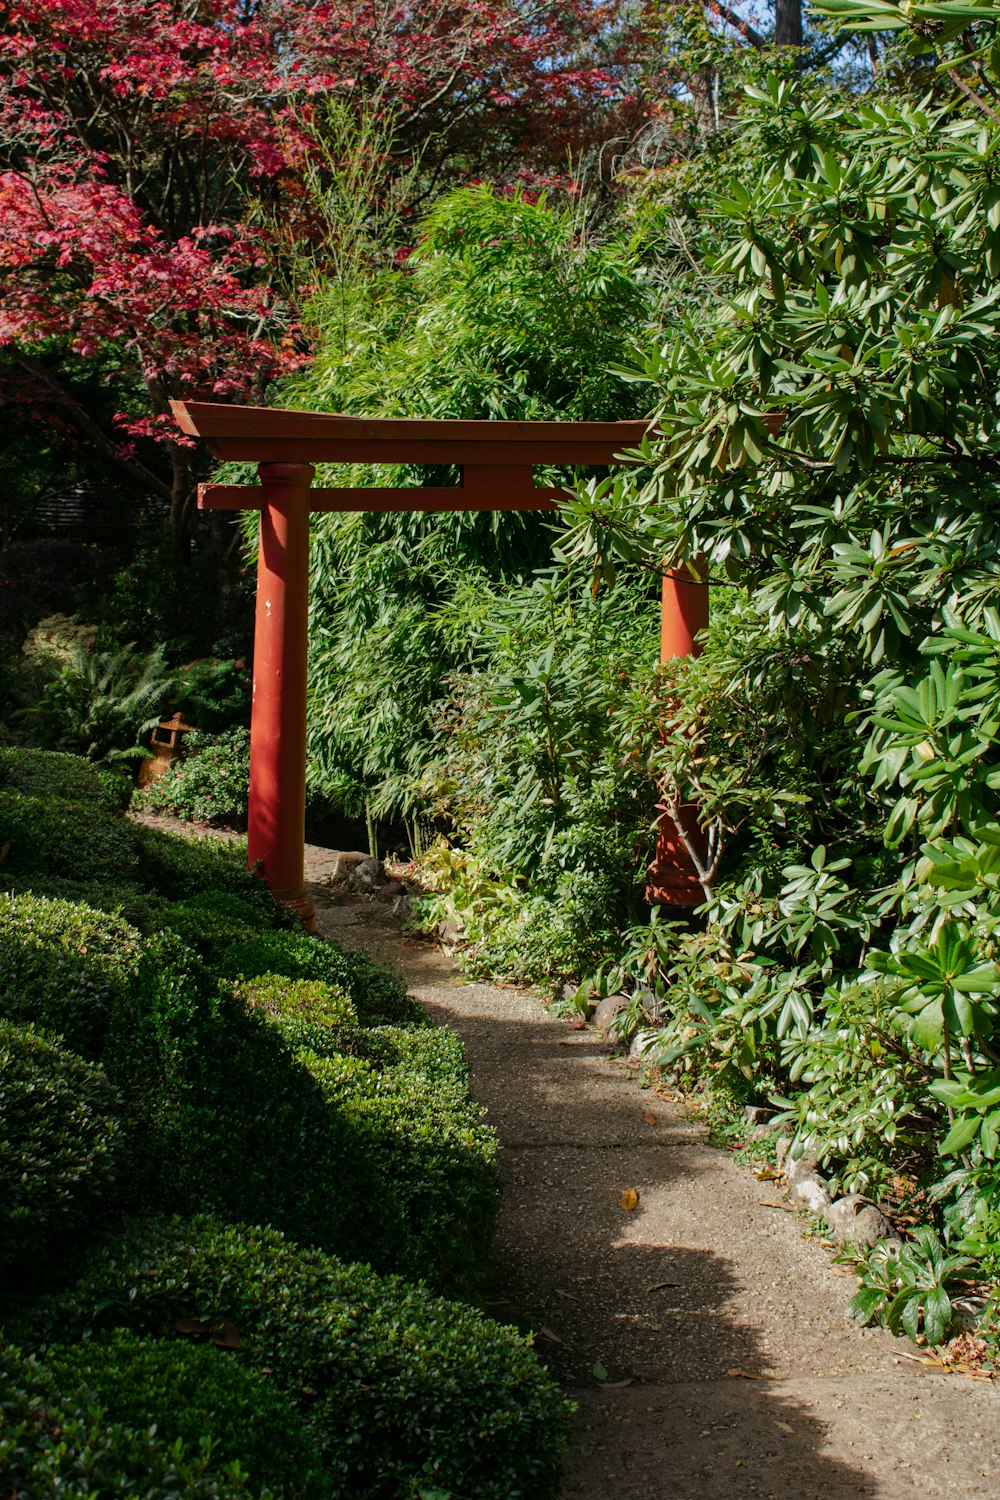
(261, 1098)
(403, 1392)
(60, 1134)
(141, 1419)
(172, 1043)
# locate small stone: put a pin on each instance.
(811, 1190)
(855, 1219)
(607, 1009)
(402, 907)
(757, 1114)
(450, 932)
(346, 861)
(390, 891)
(369, 873)
(641, 1043)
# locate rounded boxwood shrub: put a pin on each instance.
(59, 1138)
(320, 1005)
(56, 1442)
(191, 1391)
(379, 997)
(65, 966)
(403, 1390)
(406, 1101)
(53, 773)
(49, 834)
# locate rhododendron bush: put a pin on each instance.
(158, 164)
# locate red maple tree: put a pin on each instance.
(150, 150)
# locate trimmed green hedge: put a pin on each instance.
(191, 1391)
(53, 835)
(46, 773)
(59, 1140)
(58, 1439)
(66, 967)
(379, 997)
(406, 1100)
(402, 1390)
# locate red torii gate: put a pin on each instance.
(496, 460)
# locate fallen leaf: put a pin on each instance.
(629, 1199)
(553, 1338)
(737, 1373)
(785, 1427)
(226, 1335)
(768, 1174)
(573, 1041)
(567, 1296)
(599, 1372)
(192, 1325)
(659, 1285)
(768, 1203)
(649, 1117)
(579, 1026)
(615, 1385)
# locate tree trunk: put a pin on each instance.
(788, 23)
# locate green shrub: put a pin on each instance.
(53, 773)
(407, 1103)
(190, 1391)
(209, 784)
(403, 1390)
(243, 1129)
(50, 834)
(179, 867)
(58, 1444)
(326, 1009)
(59, 1138)
(379, 997)
(65, 967)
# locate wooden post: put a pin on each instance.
(672, 878)
(276, 832)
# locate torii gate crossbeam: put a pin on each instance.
(496, 460)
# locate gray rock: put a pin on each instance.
(346, 861)
(641, 1043)
(390, 891)
(368, 874)
(450, 932)
(653, 1006)
(798, 1167)
(856, 1220)
(607, 1009)
(811, 1191)
(781, 1149)
(757, 1114)
(763, 1132)
(402, 907)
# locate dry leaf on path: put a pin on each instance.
(768, 1174)
(785, 1208)
(615, 1385)
(629, 1199)
(568, 1296)
(659, 1285)
(649, 1117)
(739, 1374)
(546, 1333)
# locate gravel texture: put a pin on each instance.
(745, 1378)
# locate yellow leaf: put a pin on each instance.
(629, 1199)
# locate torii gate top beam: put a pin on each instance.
(306, 437)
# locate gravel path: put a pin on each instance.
(732, 1370)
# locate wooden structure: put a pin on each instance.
(496, 460)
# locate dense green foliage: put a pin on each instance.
(225, 1062)
(209, 784)
(397, 1386)
(59, 1440)
(59, 1136)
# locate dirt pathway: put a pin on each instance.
(699, 1290)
